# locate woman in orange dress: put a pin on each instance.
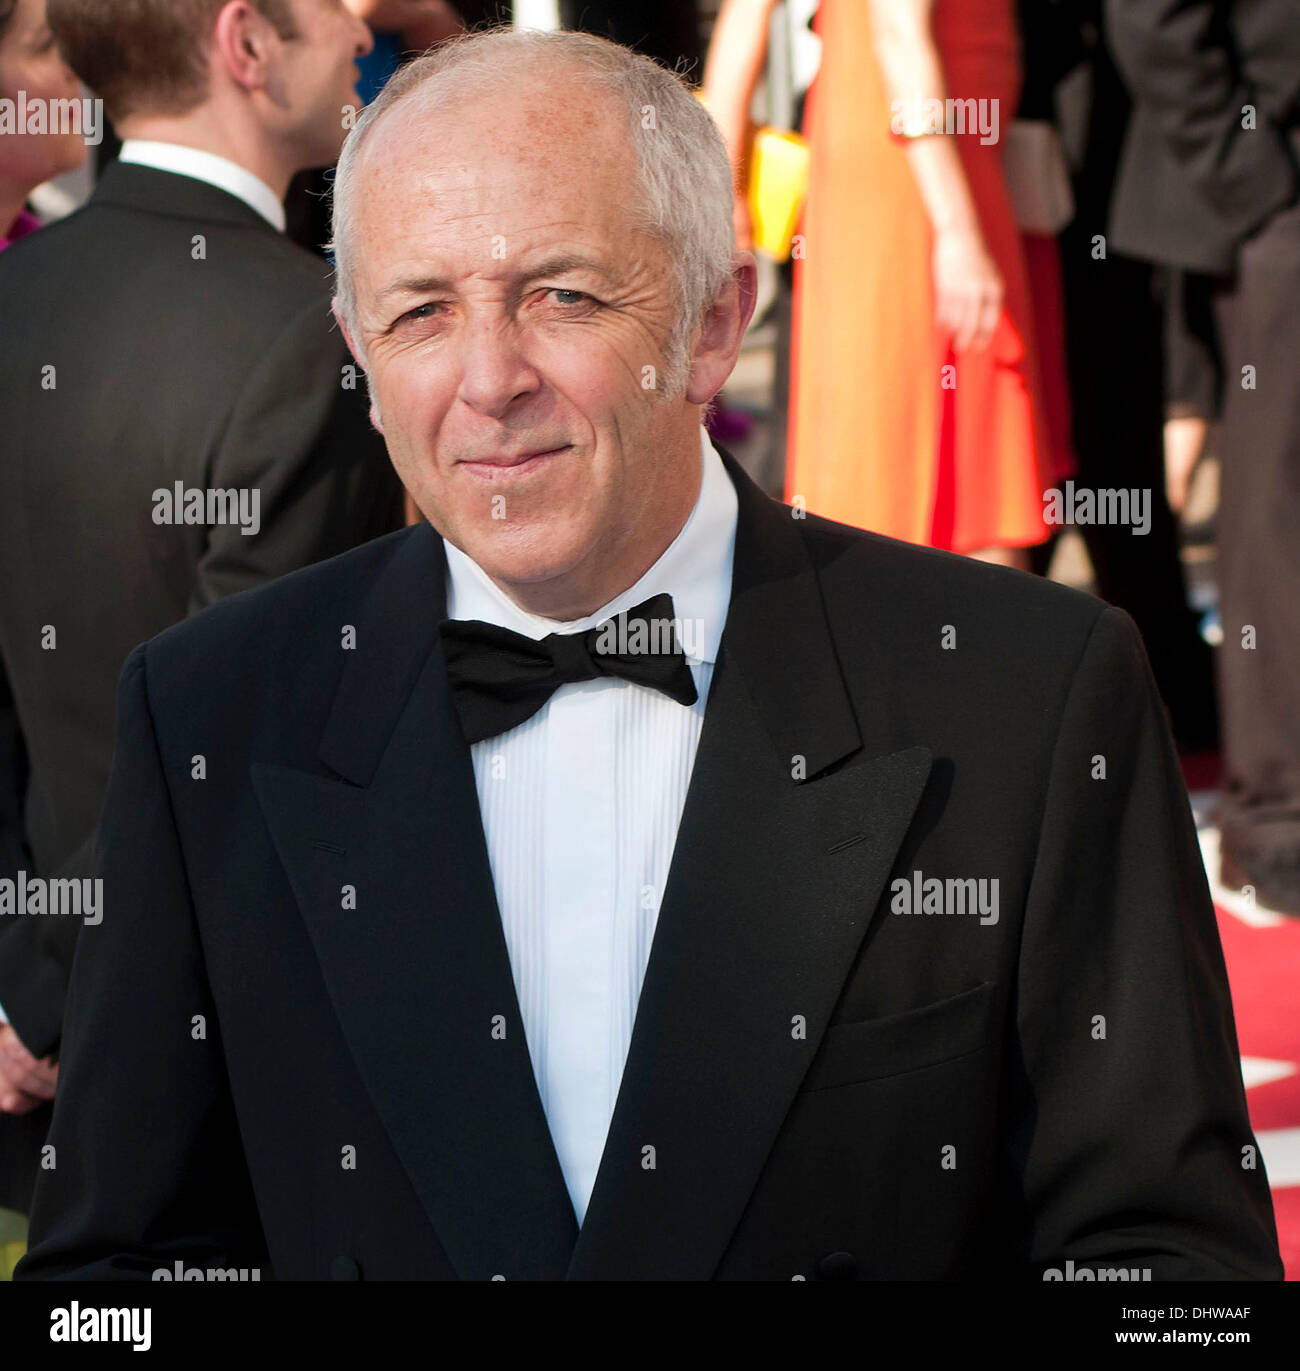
(918, 405)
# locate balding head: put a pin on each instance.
(680, 184)
(535, 255)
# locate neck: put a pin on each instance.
(233, 139)
(12, 201)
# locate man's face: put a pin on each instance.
(506, 306)
(319, 77)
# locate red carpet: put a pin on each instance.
(1264, 970)
(1262, 950)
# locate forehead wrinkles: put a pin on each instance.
(430, 175)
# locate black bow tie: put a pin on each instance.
(500, 678)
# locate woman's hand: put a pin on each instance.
(968, 287)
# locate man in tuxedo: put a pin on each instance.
(179, 423)
(622, 876)
(1210, 182)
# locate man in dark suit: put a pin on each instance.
(179, 423)
(1114, 335)
(462, 921)
(1210, 182)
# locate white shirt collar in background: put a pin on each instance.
(207, 166)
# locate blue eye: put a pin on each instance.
(560, 290)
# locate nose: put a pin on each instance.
(71, 81)
(494, 372)
(365, 40)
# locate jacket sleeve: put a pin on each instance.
(147, 1162)
(35, 961)
(300, 437)
(13, 780)
(1178, 61)
(324, 484)
(13, 787)
(35, 953)
(1130, 1134)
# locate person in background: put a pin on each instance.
(405, 26)
(30, 62)
(165, 338)
(1121, 358)
(1193, 378)
(1209, 182)
(737, 58)
(918, 409)
(400, 29)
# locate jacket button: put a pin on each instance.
(344, 1269)
(838, 1266)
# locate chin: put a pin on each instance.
(539, 552)
(71, 157)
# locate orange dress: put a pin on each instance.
(891, 429)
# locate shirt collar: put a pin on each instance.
(695, 569)
(207, 166)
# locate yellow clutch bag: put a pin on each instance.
(778, 182)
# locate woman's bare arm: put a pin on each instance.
(968, 286)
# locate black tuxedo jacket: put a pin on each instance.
(215, 365)
(1195, 181)
(257, 1073)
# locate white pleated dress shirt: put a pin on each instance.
(580, 806)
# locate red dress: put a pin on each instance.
(892, 429)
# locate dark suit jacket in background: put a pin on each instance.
(1194, 183)
(224, 372)
(371, 1028)
(1116, 349)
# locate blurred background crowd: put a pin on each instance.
(1029, 291)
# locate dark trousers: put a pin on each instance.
(1259, 560)
(1114, 343)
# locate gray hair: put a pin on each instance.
(686, 188)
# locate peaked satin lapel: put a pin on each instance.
(419, 971)
(771, 888)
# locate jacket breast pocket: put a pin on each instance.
(871, 1049)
